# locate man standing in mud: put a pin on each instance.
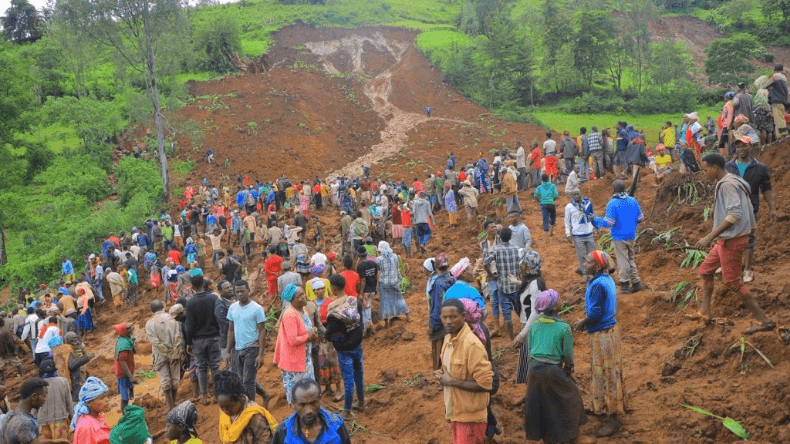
(466, 375)
(622, 216)
(733, 221)
(167, 342)
(756, 175)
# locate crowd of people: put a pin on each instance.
(319, 297)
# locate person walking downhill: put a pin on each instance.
(546, 194)
(449, 204)
(579, 228)
(733, 222)
(607, 386)
(622, 216)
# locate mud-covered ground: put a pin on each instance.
(334, 99)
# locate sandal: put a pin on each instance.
(756, 328)
(722, 321)
(748, 276)
(699, 317)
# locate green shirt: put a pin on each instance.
(167, 232)
(550, 341)
(547, 193)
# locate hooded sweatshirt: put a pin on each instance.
(731, 202)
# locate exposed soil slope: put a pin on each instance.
(385, 123)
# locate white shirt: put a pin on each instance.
(30, 327)
(575, 222)
(550, 147)
(573, 182)
(318, 259)
(42, 346)
(521, 158)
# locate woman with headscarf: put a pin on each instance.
(53, 417)
(607, 385)
(725, 119)
(131, 427)
(124, 362)
(391, 303)
(302, 256)
(473, 315)
(309, 289)
(292, 352)
(531, 286)
(762, 112)
(69, 359)
(180, 424)
(88, 422)
(694, 134)
(85, 318)
(328, 369)
(554, 409)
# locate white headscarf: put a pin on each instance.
(384, 248)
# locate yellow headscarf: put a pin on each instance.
(230, 432)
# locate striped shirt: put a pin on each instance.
(595, 142)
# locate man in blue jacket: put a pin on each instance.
(622, 216)
(440, 285)
(310, 422)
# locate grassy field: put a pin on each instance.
(258, 19)
(55, 136)
(650, 123)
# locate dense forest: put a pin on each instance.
(77, 74)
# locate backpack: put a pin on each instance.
(690, 161)
(249, 200)
(19, 330)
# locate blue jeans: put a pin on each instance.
(407, 239)
(509, 303)
(584, 169)
(350, 363)
(423, 234)
(513, 205)
(207, 355)
(494, 294)
(549, 212)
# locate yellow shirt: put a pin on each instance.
(663, 161)
(468, 361)
(191, 441)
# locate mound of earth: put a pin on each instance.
(668, 360)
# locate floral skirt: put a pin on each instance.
(56, 430)
(607, 386)
(291, 378)
(328, 369)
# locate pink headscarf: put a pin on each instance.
(473, 314)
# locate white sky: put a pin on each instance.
(5, 4)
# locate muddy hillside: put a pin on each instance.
(333, 99)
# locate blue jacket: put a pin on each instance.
(241, 196)
(623, 140)
(440, 286)
(622, 215)
(600, 303)
(334, 433)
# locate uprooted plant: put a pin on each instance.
(731, 424)
(682, 288)
(693, 258)
(741, 344)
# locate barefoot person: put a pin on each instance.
(733, 221)
(607, 385)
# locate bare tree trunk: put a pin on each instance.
(160, 133)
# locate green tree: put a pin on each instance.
(16, 92)
(20, 23)
(137, 30)
(94, 120)
(726, 60)
(594, 35)
(770, 8)
(216, 42)
(670, 63)
(556, 35)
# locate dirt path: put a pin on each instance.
(352, 51)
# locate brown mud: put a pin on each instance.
(366, 90)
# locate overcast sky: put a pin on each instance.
(5, 4)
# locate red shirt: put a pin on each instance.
(273, 265)
(396, 219)
(175, 256)
(115, 240)
(534, 158)
(417, 185)
(405, 216)
(124, 356)
(316, 189)
(272, 208)
(352, 280)
(462, 176)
